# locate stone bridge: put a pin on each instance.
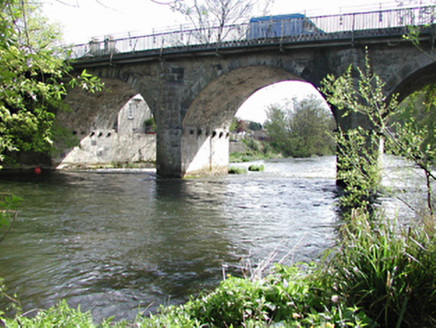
(195, 91)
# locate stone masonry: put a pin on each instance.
(194, 96)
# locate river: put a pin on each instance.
(117, 241)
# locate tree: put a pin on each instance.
(254, 126)
(210, 17)
(33, 67)
(314, 124)
(33, 71)
(358, 157)
(302, 128)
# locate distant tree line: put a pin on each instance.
(301, 128)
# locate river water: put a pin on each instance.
(118, 241)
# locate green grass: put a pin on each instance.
(388, 270)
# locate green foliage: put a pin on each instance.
(358, 149)
(412, 139)
(365, 98)
(254, 150)
(237, 170)
(357, 167)
(58, 316)
(233, 126)
(33, 67)
(254, 126)
(287, 297)
(387, 270)
(301, 130)
(150, 125)
(256, 168)
(413, 134)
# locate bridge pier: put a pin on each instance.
(195, 93)
(204, 152)
(192, 151)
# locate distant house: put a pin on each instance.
(258, 135)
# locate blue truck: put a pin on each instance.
(280, 26)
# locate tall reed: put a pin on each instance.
(388, 270)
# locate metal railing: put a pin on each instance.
(320, 28)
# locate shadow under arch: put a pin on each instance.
(205, 139)
(92, 118)
(414, 82)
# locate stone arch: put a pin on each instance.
(204, 145)
(113, 74)
(216, 104)
(93, 122)
(415, 81)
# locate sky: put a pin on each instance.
(83, 19)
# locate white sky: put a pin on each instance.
(84, 19)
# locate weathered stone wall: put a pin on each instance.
(195, 96)
(113, 140)
(236, 146)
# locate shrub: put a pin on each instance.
(256, 168)
(60, 315)
(237, 170)
(288, 296)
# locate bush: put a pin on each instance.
(237, 170)
(58, 316)
(256, 168)
(287, 296)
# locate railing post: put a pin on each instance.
(352, 29)
(350, 23)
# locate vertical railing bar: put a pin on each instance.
(351, 22)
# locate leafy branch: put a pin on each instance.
(410, 139)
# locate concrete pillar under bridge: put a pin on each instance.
(192, 151)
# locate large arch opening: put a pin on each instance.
(112, 128)
(205, 139)
(286, 119)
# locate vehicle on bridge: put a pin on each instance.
(280, 26)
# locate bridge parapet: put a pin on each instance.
(321, 28)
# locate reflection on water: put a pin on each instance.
(112, 241)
